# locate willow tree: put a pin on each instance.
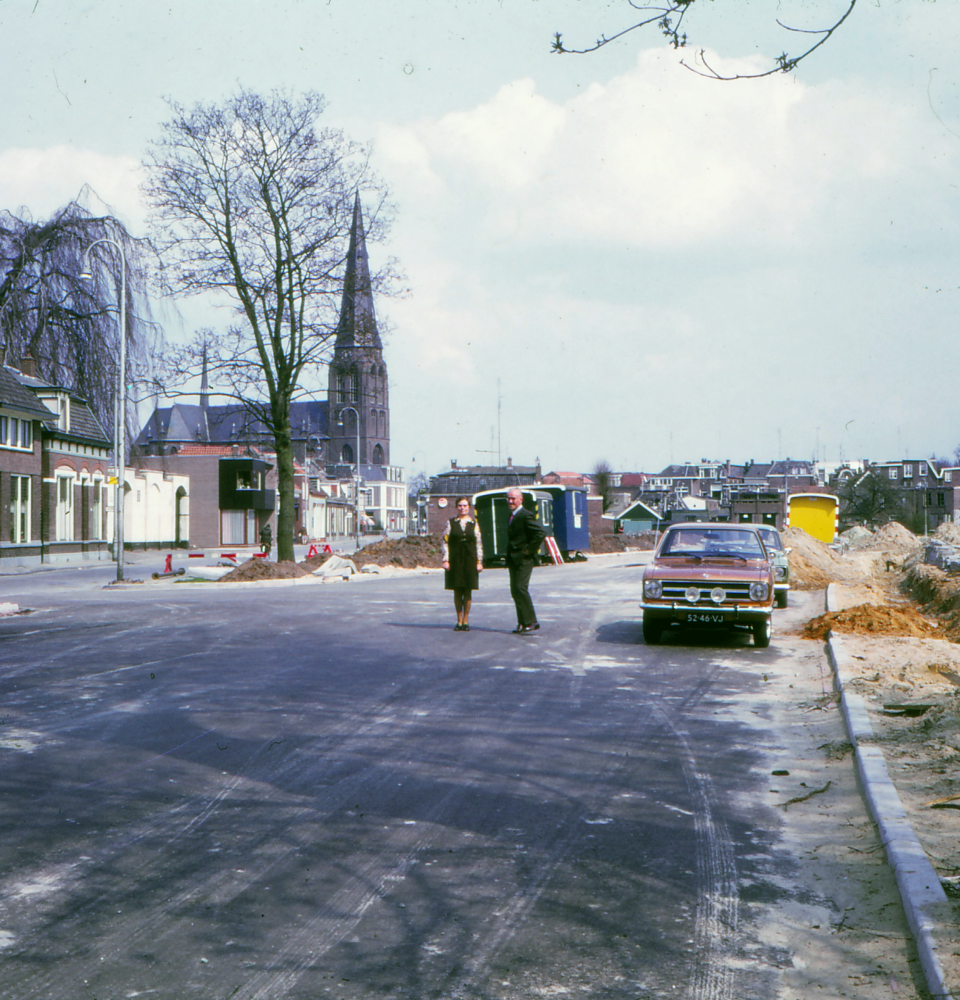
(251, 199)
(70, 326)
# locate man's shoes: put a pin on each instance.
(526, 629)
(520, 629)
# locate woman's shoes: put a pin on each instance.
(461, 628)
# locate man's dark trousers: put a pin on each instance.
(520, 592)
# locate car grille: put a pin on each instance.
(676, 590)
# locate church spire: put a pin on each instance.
(358, 321)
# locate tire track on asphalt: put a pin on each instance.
(223, 886)
(718, 898)
(347, 738)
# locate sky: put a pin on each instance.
(607, 256)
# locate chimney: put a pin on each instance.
(509, 463)
(236, 450)
(453, 463)
(28, 366)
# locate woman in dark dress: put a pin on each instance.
(462, 561)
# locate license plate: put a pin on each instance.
(705, 617)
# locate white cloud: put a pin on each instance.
(658, 157)
(43, 180)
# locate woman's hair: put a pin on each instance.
(457, 504)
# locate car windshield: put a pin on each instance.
(707, 543)
(771, 539)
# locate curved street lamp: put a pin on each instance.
(356, 487)
(120, 408)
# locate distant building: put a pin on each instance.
(440, 502)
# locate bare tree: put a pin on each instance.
(669, 19)
(251, 199)
(68, 325)
(603, 480)
(869, 498)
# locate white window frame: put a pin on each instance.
(96, 508)
(64, 496)
(21, 527)
(908, 472)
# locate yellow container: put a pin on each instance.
(816, 513)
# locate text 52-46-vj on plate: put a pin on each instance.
(707, 575)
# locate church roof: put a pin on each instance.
(191, 422)
(358, 320)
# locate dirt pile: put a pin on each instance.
(939, 594)
(263, 569)
(405, 553)
(857, 536)
(621, 543)
(812, 564)
(948, 532)
(894, 540)
(871, 619)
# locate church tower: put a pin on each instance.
(358, 377)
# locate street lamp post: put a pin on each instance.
(120, 410)
(356, 486)
(421, 504)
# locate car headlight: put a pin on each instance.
(779, 573)
(652, 588)
(759, 591)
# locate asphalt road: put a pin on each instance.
(325, 791)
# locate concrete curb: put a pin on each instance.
(924, 901)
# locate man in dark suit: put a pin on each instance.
(525, 534)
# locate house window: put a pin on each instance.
(19, 509)
(940, 500)
(948, 476)
(892, 473)
(907, 471)
(64, 508)
(97, 505)
(16, 433)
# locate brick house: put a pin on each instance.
(54, 459)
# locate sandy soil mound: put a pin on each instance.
(407, 553)
(870, 619)
(857, 536)
(894, 538)
(620, 543)
(263, 569)
(938, 592)
(948, 532)
(812, 564)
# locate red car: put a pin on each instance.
(709, 575)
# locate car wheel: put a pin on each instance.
(761, 634)
(781, 598)
(652, 631)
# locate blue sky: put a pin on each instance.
(651, 266)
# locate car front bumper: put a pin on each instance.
(715, 617)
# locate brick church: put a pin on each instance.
(324, 432)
